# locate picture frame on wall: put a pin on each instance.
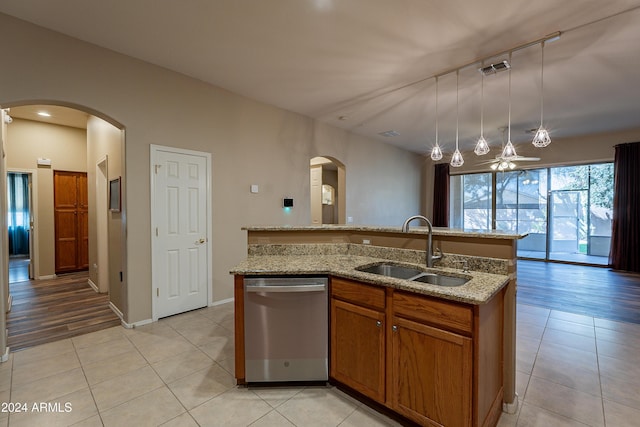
(114, 195)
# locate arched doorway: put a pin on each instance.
(44, 138)
(327, 191)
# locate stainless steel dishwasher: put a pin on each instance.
(286, 329)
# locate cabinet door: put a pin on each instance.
(358, 348)
(431, 374)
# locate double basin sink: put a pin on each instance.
(412, 274)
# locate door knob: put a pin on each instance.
(199, 242)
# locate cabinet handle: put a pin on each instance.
(379, 324)
(394, 328)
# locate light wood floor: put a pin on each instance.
(592, 291)
(51, 310)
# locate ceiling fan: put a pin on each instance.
(501, 163)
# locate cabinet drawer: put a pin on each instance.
(358, 293)
(433, 311)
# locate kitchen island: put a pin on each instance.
(436, 355)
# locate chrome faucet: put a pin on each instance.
(430, 256)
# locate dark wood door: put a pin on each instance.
(70, 201)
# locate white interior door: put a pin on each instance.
(181, 244)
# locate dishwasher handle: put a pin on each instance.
(285, 288)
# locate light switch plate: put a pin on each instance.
(254, 188)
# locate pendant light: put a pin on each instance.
(542, 138)
(509, 151)
(456, 159)
(436, 152)
(482, 147)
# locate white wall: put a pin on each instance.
(250, 143)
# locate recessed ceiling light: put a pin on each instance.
(44, 114)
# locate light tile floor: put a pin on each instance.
(572, 370)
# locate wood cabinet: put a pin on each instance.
(431, 374)
(358, 338)
(71, 216)
(433, 361)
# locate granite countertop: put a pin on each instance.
(478, 290)
(414, 229)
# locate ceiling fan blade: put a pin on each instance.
(526, 159)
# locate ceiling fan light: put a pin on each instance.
(512, 165)
(541, 138)
(482, 147)
(456, 159)
(436, 153)
(494, 166)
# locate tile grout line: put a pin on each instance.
(532, 366)
(604, 416)
(88, 385)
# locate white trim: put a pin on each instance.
(9, 303)
(220, 302)
(93, 285)
(511, 408)
(125, 324)
(5, 356)
(47, 277)
(154, 149)
(116, 310)
(102, 219)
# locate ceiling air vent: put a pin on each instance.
(495, 68)
(389, 133)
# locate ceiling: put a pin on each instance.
(368, 65)
(56, 114)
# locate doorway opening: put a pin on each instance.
(327, 191)
(64, 141)
(20, 225)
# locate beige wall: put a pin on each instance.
(103, 139)
(67, 148)
(250, 143)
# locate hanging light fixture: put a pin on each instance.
(541, 138)
(482, 147)
(509, 151)
(436, 152)
(456, 159)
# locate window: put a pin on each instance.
(470, 200)
(567, 211)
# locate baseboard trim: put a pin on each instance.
(93, 285)
(47, 277)
(511, 408)
(223, 301)
(125, 324)
(5, 356)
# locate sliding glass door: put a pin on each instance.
(566, 211)
(521, 207)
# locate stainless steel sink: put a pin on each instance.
(391, 270)
(440, 279)
(413, 274)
